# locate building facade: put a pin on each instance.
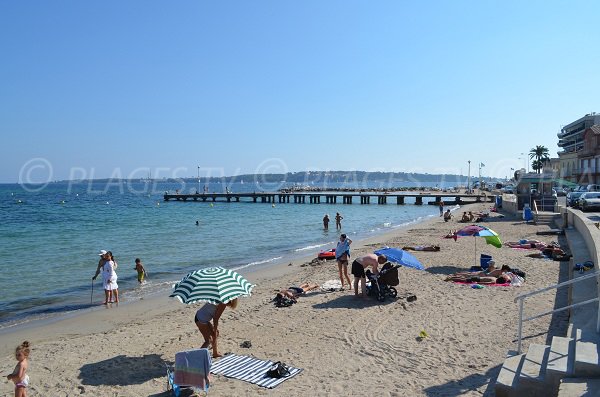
(579, 155)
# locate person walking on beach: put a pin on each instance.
(441, 207)
(141, 271)
(338, 220)
(100, 264)
(342, 256)
(109, 279)
(326, 222)
(19, 375)
(358, 270)
(210, 332)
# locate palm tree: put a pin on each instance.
(541, 155)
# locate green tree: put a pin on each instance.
(540, 155)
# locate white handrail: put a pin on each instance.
(521, 299)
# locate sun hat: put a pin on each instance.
(102, 253)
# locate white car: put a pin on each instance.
(589, 201)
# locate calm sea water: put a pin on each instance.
(49, 238)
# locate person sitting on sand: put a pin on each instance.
(421, 248)
(502, 279)
(447, 216)
(465, 218)
(471, 216)
(294, 292)
(451, 234)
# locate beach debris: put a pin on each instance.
(477, 286)
(246, 344)
(422, 335)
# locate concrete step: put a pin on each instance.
(587, 354)
(508, 378)
(533, 372)
(576, 387)
(560, 361)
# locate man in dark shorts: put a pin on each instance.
(358, 270)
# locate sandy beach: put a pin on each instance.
(345, 345)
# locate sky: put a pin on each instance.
(107, 89)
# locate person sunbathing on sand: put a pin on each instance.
(294, 292)
(491, 271)
(526, 244)
(502, 279)
(421, 248)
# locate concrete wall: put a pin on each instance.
(509, 204)
(587, 228)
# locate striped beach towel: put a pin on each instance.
(249, 369)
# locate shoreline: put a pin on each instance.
(332, 336)
(263, 271)
(263, 265)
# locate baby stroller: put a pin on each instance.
(383, 284)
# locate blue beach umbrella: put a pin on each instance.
(400, 256)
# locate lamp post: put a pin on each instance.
(198, 191)
(469, 178)
(525, 162)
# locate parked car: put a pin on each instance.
(589, 201)
(588, 188)
(573, 198)
(508, 189)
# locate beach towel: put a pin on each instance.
(250, 369)
(332, 285)
(192, 368)
(485, 285)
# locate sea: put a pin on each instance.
(50, 236)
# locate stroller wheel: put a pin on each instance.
(381, 297)
(392, 292)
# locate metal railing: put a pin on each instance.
(521, 299)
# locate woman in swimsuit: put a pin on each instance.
(210, 332)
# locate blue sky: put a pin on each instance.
(120, 88)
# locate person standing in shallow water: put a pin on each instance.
(441, 206)
(326, 222)
(338, 220)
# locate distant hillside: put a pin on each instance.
(330, 176)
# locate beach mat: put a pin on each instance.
(249, 369)
(557, 232)
(485, 285)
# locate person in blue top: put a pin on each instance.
(342, 255)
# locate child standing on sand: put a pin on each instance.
(19, 375)
(140, 270)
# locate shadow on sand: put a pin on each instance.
(123, 371)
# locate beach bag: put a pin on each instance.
(283, 301)
(278, 370)
(515, 280)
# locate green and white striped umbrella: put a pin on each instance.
(213, 285)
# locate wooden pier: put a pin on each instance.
(345, 197)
